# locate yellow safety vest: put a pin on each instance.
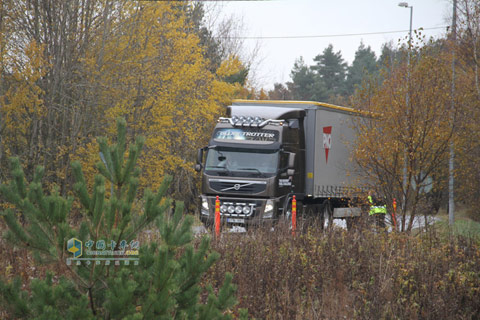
(376, 209)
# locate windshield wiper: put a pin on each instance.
(254, 169)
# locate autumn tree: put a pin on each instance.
(23, 106)
(44, 94)
(469, 38)
(409, 132)
(154, 74)
(69, 68)
(467, 87)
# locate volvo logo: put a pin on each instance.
(236, 186)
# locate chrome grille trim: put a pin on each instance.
(237, 186)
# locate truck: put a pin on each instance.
(264, 152)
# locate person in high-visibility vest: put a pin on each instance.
(377, 209)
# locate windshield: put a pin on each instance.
(257, 162)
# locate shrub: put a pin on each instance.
(353, 275)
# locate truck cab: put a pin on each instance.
(253, 164)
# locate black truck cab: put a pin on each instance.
(253, 164)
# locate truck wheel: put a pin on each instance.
(327, 213)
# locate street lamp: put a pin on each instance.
(405, 5)
(407, 100)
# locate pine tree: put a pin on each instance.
(163, 285)
(364, 64)
(331, 70)
(306, 84)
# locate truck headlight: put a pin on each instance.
(268, 213)
(205, 205)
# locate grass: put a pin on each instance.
(466, 224)
(467, 228)
(462, 227)
(336, 274)
(352, 275)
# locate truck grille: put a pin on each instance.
(237, 186)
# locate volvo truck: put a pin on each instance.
(265, 152)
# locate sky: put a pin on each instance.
(326, 20)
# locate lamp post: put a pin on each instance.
(407, 101)
(451, 160)
(405, 5)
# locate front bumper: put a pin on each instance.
(256, 214)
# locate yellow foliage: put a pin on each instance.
(153, 73)
(140, 60)
(230, 66)
(415, 128)
(22, 103)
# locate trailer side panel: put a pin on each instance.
(334, 137)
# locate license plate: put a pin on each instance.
(235, 220)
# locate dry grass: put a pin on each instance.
(332, 275)
(346, 275)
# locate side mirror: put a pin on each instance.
(198, 165)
